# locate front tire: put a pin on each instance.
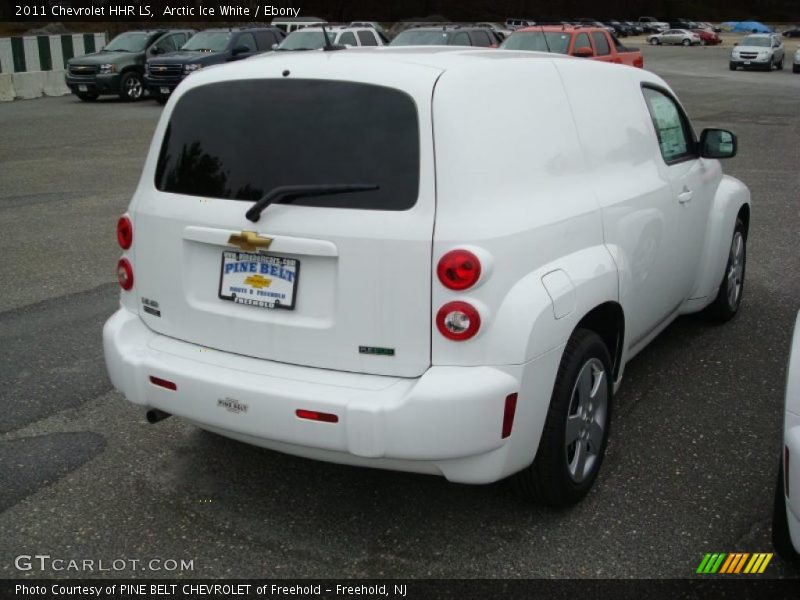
(131, 87)
(729, 295)
(732, 66)
(795, 68)
(687, 42)
(575, 433)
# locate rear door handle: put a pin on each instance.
(685, 196)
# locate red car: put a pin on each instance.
(595, 43)
(707, 38)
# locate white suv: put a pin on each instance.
(417, 298)
(758, 51)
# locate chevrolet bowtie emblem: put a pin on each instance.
(249, 241)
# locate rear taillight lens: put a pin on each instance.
(509, 411)
(458, 321)
(459, 269)
(313, 415)
(124, 232)
(125, 274)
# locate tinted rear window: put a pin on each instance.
(241, 139)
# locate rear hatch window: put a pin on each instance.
(240, 139)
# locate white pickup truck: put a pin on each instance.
(325, 256)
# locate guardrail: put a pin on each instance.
(33, 65)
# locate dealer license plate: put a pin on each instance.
(259, 279)
(165, 90)
(83, 88)
(747, 62)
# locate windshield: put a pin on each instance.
(538, 41)
(208, 41)
(422, 38)
(260, 134)
(305, 40)
(132, 41)
(752, 40)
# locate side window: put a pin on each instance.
(675, 137)
(600, 43)
(248, 41)
(168, 43)
(367, 39)
(582, 41)
(481, 38)
(349, 38)
(265, 39)
(460, 39)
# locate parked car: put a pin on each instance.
(683, 24)
(619, 29)
(210, 47)
(758, 51)
(796, 61)
(410, 305)
(311, 38)
(592, 42)
(786, 514)
(652, 25)
(683, 37)
(791, 33)
(707, 38)
(455, 35)
(290, 24)
(499, 29)
(118, 69)
(382, 33)
(634, 28)
(513, 24)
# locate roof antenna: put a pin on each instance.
(329, 46)
(544, 37)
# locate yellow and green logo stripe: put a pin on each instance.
(734, 563)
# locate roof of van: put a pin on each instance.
(441, 58)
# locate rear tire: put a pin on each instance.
(781, 539)
(687, 42)
(731, 289)
(780, 65)
(575, 433)
(655, 41)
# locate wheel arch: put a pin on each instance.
(608, 321)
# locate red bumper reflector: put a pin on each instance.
(163, 383)
(508, 414)
(313, 415)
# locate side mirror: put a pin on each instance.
(583, 52)
(718, 143)
(156, 50)
(274, 46)
(240, 50)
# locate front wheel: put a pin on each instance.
(729, 295)
(780, 65)
(795, 68)
(732, 66)
(131, 87)
(575, 433)
(687, 42)
(654, 41)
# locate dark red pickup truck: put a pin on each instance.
(596, 43)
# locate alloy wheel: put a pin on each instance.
(586, 420)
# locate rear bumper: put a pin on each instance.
(791, 439)
(448, 421)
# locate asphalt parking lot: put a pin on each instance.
(695, 438)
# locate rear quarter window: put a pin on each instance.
(240, 139)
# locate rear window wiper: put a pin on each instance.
(288, 193)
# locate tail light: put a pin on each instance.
(459, 269)
(124, 232)
(458, 321)
(125, 274)
(165, 383)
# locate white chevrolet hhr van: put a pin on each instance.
(432, 260)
